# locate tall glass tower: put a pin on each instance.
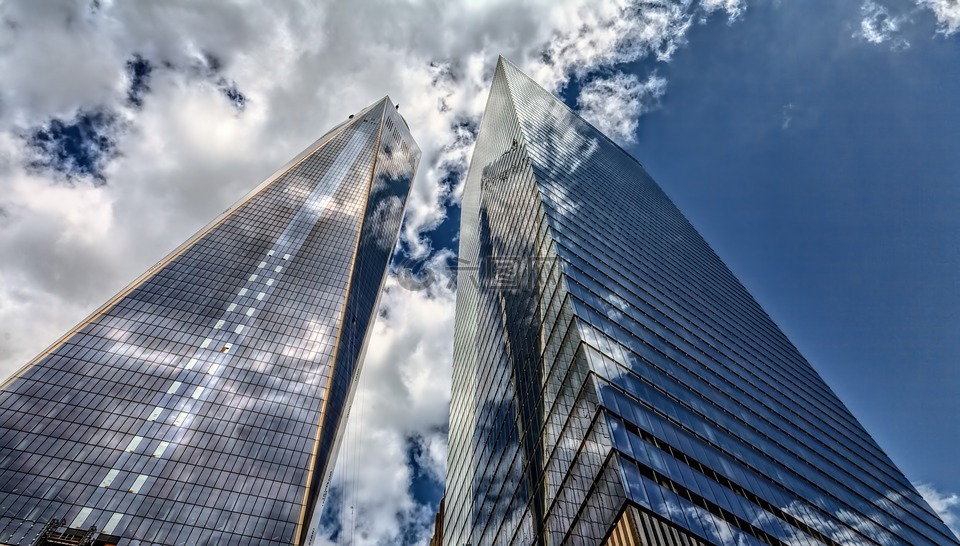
(614, 383)
(203, 404)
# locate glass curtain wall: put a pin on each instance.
(608, 364)
(204, 403)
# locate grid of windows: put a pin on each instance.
(625, 364)
(202, 405)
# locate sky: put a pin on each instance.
(813, 143)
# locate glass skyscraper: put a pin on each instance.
(203, 404)
(614, 383)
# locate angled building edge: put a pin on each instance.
(204, 403)
(604, 356)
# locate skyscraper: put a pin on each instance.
(204, 403)
(613, 381)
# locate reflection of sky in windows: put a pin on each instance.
(188, 409)
(715, 421)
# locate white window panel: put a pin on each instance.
(108, 479)
(196, 394)
(180, 419)
(112, 523)
(261, 295)
(214, 368)
(81, 518)
(226, 348)
(269, 282)
(206, 343)
(154, 414)
(262, 264)
(232, 307)
(160, 449)
(253, 278)
(219, 325)
(242, 292)
(132, 446)
(286, 256)
(277, 269)
(270, 253)
(238, 329)
(251, 311)
(138, 483)
(174, 388)
(191, 364)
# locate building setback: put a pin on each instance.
(203, 405)
(614, 382)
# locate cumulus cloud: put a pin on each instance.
(403, 397)
(879, 26)
(947, 505)
(947, 13)
(614, 104)
(589, 34)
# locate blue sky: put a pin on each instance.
(813, 144)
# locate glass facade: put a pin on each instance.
(607, 364)
(203, 404)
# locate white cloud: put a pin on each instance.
(404, 394)
(947, 505)
(614, 104)
(879, 26)
(589, 34)
(947, 13)
(734, 8)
